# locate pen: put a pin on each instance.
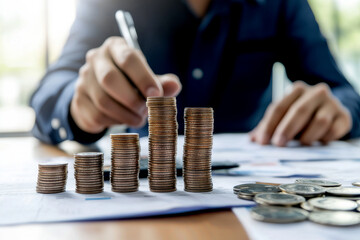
(127, 30)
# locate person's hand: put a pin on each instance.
(310, 112)
(104, 97)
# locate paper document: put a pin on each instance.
(295, 231)
(19, 203)
(238, 148)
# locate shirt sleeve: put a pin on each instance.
(94, 23)
(306, 56)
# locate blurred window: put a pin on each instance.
(27, 44)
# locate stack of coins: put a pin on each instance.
(125, 155)
(199, 125)
(51, 177)
(89, 172)
(162, 143)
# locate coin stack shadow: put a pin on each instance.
(125, 155)
(52, 178)
(89, 172)
(199, 125)
(162, 143)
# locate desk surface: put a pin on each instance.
(209, 225)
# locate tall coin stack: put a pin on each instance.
(199, 126)
(125, 155)
(52, 177)
(162, 143)
(89, 172)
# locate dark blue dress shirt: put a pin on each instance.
(223, 60)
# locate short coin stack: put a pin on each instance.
(51, 177)
(199, 125)
(89, 172)
(162, 143)
(320, 201)
(125, 155)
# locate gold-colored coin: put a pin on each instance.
(199, 124)
(88, 172)
(125, 156)
(162, 143)
(51, 178)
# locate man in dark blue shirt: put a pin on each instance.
(222, 52)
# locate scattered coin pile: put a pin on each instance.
(248, 191)
(89, 172)
(199, 125)
(51, 177)
(321, 201)
(125, 155)
(162, 143)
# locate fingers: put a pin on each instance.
(170, 84)
(319, 125)
(340, 127)
(114, 110)
(105, 92)
(311, 112)
(133, 64)
(300, 114)
(93, 109)
(274, 114)
(114, 82)
(90, 120)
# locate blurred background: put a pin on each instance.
(32, 34)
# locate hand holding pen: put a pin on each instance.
(115, 80)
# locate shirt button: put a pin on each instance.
(62, 133)
(55, 123)
(197, 73)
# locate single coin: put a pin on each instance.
(357, 184)
(305, 190)
(319, 182)
(245, 197)
(333, 204)
(253, 188)
(88, 154)
(344, 191)
(307, 206)
(280, 199)
(53, 164)
(335, 218)
(278, 214)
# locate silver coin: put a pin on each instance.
(333, 204)
(306, 190)
(307, 206)
(246, 197)
(358, 202)
(344, 191)
(319, 182)
(253, 188)
(357, 184)
(335, 218)
(349, 198)
(278, 214)
(280, 199)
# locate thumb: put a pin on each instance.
(170, 84)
